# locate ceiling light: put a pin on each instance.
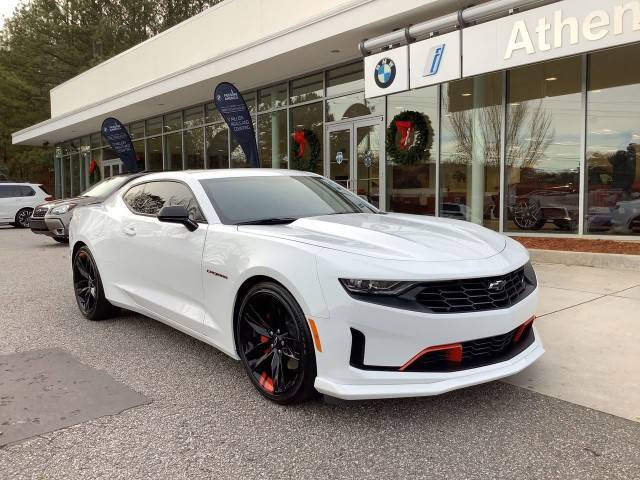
(551, 79)
(466, 94)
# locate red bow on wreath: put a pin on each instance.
(92, 166)
(299, 138)
(406, 133)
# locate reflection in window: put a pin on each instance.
(272, 97)
(173, 149)
(470, 149)
(136, 130)
(154, 153)
(194, 148)
(217, 146)
(307, 138)
(138, 146)
(272, 139)
(306, 89)
(412, 188)
(149, 198)
(354, 105)
(193, 117)
(212, 114)
(173, 121)
(345, 79)
(543, 147)
(613, 143)
(154, 126)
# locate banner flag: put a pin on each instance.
(233, 109)
(118, 137)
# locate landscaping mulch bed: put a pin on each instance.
(581, 245)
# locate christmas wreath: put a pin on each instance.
(305, 150)
(409, 138)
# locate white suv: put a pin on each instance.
(17, 201)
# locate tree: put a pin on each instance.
(47, 42)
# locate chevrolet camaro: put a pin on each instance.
(309, 286)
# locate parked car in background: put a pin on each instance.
(17, 201)
(53, 218)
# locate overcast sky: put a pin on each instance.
(6, 9)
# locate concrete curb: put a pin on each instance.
(612, 261)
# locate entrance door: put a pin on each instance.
(111, 168)
(353, 159)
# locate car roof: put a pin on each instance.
(21, 184)
(227, 173)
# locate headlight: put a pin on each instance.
(530, 274)
(374, 287)
(62, 209)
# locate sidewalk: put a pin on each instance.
(589, 320)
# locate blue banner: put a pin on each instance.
(233, 109)
(118, 137)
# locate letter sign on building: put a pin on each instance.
(386, 72)
(569, 27)
(435, 60)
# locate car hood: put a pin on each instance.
(77, 200)
(391, 236)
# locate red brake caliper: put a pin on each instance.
(265, 381)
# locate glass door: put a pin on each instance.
(355, 153)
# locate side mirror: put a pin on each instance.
(177, 214)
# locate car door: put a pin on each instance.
(164, 260)
(5, 201)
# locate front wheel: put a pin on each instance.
(275, 345)
(22, 218)
(88, 288)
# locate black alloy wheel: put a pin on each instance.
(527, 215)
(22, 218)
(88, 287)
(275, 345)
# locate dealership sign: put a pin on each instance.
(435, 60)
(118, 137)
(386, 72)
(569, 27)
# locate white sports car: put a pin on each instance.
(309, 286)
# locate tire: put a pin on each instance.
(87, 286)
(22, 218)
(275, 345)
(61, 239)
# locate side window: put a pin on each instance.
(26, 191)
(5, 191)
(149, 198)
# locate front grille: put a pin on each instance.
(39, 212)
(473, 295)
(476, 353)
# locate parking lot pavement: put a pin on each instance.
(205, 421)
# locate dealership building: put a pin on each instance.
(522, 116)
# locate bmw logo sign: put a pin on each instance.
(385, 72)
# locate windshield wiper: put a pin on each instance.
(269, 221)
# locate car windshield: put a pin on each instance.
(106, 187)
(279, 199)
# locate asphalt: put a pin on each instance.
(204, 419)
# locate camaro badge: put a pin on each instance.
(497, 285)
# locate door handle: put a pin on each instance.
(129, 230)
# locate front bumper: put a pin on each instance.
(50, 226)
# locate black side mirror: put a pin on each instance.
(177, 214)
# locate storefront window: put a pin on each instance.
(307, 138)
(217, 146)
(470, 149)
(154, 126)
(238, 158)
(272, 97)
(272, 139)
(95, 167)
(193, 117)
(138, 146)
(212, 114)
(411, 173)
(66, 174)
(136, 130)
(613, 143)
(154, 151)
(353, 105)
(173, 122)
(250, 100)
(173, 149)
(194, 148)
(306, 89)
(75, 175)
(345, 79)
(96, 140)
(544, 120)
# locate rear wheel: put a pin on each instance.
(275, 345)
(88, 287)
(22, 218)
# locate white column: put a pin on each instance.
(475, 185)
(275, 144)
